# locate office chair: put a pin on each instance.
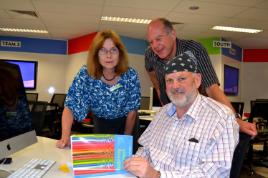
(38, 116)
(56, 106)
(57, 100)
(243, 148)
(239, 154)
(31, 98)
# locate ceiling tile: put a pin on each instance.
(262, 5)
(129, 12)
(244, 3)
(15, 4)
(65, 19)
(22, 23)
(244, 23)
(195, 18)
(254, 14)
(144, 4)
(208, 8)
(136, 30)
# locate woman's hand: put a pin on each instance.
(63, 142)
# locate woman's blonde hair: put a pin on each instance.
(93, 65)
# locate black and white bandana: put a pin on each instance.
(183, 62)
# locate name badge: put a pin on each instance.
(115, 87)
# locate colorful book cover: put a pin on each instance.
(99, 154)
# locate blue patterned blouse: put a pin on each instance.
(87, 94)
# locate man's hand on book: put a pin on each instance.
(140, 167)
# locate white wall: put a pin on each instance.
(75, 62)
(51, 71)
(254, 82)
(217, 64)
(137, 62)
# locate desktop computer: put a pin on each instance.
(16, 131)
(155, 102)
(150, 105)
(146, 115)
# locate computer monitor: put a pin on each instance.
(231, 80)
(259, 108)
(16, 131)
(155, 103)
(145, 103)
(28, 72)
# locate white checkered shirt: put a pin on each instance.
(200, 144)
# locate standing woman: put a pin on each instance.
(107, 87)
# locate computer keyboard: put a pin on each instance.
(35, 168)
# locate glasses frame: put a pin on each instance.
(105, 52)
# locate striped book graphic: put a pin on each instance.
(99, 154)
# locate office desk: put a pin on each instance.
(146, 118)
(46, 149)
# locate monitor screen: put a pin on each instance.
(155, 103)
(16, 130)
(28, 71)
(258, 110)
(231, 80)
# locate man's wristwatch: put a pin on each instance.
(237, 115)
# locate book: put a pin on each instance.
(99, 154)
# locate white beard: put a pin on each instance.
(180, 99)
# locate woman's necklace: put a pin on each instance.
(111, 79)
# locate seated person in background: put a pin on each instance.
(193, 136)
(107, 87)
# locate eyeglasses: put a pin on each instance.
(112, 51)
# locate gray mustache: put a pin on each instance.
(177, 91)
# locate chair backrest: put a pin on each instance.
(145, 103)
(239, 107)
(239, 155)
(32, 97)
(58, 99)
(38, 116)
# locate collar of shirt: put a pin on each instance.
(179, 47)
(193, 111)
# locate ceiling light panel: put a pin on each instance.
(22, 30)
(125, 20)
(235, 29)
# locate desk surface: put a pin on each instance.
(147, 115)
(46, 149)
(146, 118)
